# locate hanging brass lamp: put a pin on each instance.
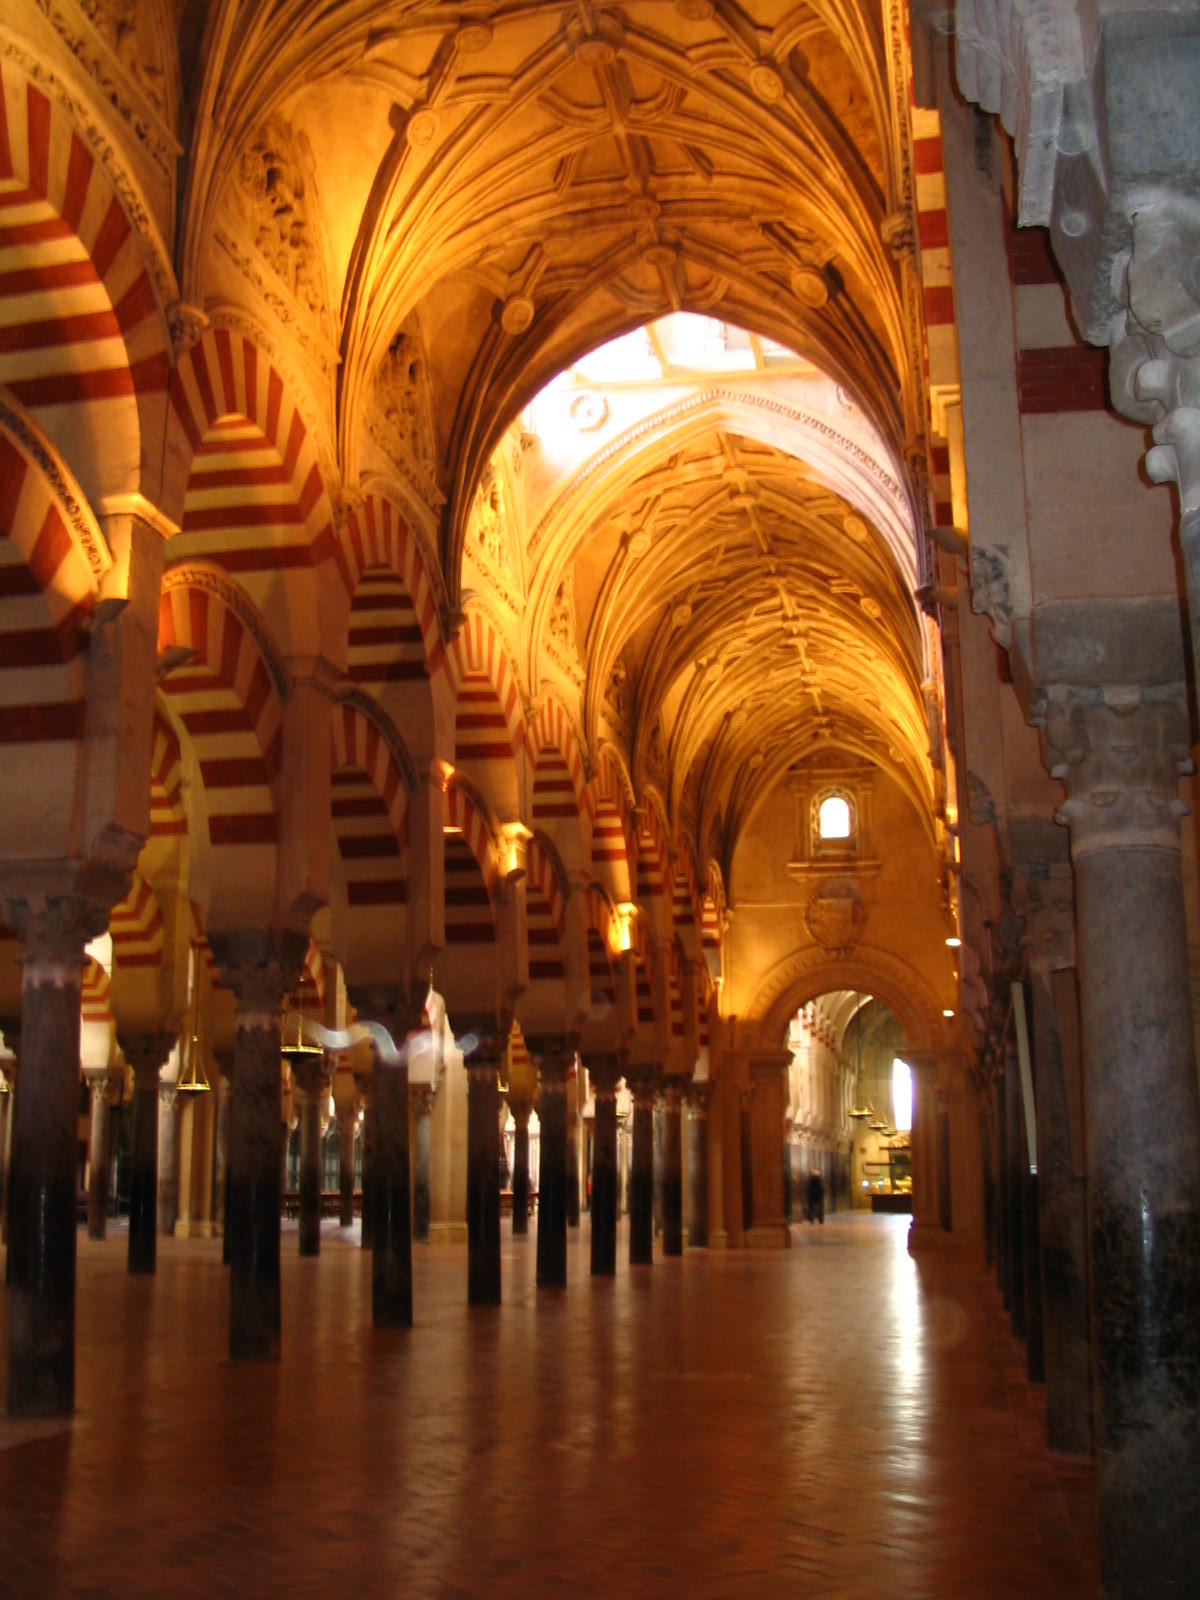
(193, 1079)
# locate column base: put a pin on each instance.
(194, 1230)
(718, 1239)
(769, 1236)
(932, 1236)
(447, 1233)
(701, 1243)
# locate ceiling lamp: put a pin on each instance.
(193, 1079)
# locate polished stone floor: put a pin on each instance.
(836, 1421)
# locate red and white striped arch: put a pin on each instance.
(167, 812)
(254, 499)
(79, 320)
(376, 540)
(651, 856)
(50, 556)
(485, 683)
(470, 873)
(675, 996)
(95, 994)
(542, 877)
(136, 926)
(559, 789)
(685, 904)
(228, 704)
(369, 807)
(543, 918)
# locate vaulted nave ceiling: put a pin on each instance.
(463, 201)
(697, 551)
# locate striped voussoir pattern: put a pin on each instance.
(226, 702)
(136, 926)
(543, 917)
(369, 812)
(488, 718)
(167, 813)
(78, 318)
(558, 783)
(95, 997)
(375, 540)
(46, 597)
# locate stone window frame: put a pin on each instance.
(810, 786)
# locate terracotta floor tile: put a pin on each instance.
(840, 1420)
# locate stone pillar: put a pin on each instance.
(145, 1053)
(1119, 752)
(168, 1158)
(657, 1164)
(347, 1126)
(365, 1080)
(767, 1073)
(308, 1078)
(260, 967)
(1014, 1169)
(6, 1100)
(97, 1197)
(698, 1165)
(390, 1186)
(605, 1071)
(483, 1169)
(672, 1183)
(554, 1062)
(573, 1091)
(224, 1059)
(745, 1101)
(520, 1172)
(10, 1027)
(926, 1226)
(641, 1185)
(41, 1296)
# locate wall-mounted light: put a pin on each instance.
(953, 942)
(451, 827)
(947, 1011)
(516, 838)
(622, 934)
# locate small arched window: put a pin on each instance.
(834, 824)
(833, 819)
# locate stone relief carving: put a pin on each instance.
(272, 188)
(835, 915)
(120, 52)
(616, 693)
(560, 629)
(400, 417)
(990, 591)
(72, 505)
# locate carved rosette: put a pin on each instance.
(835, 915)
(1120, 751)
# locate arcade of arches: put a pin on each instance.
(582, 568)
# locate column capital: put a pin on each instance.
(396, 1006)
(146, 1054)
(54, 928)
(553, 1055)
(1120, 750)
(260, 965)
(605, 1069)
(1155, 362)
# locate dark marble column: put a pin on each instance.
(1047, 903)
(1014, 1168)
(259, 966)
(641, 1184)
(483, 1170)
(308, 1076)
(402, 1018)
(420, 1105)
(224, 1059)
(745, 1101)
(347, 1127)
(1120, 752)
(365, 1082)
(554, 1061)
(672, 1182)
(10, 1027)
(146, 1054)
(97, 1196)
(573, 1093)
(657, 1163)
(698, 1165)
(168, 1158)
(520, 1172)
(41, 1295)
(605, 1073)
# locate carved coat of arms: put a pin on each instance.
(835, 915)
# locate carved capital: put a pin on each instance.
(1120, 751)
(260, 965)
(54, 930)
(146, 1054)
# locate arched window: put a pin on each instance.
(901, 1095)
(833, 819)
(833, 823)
